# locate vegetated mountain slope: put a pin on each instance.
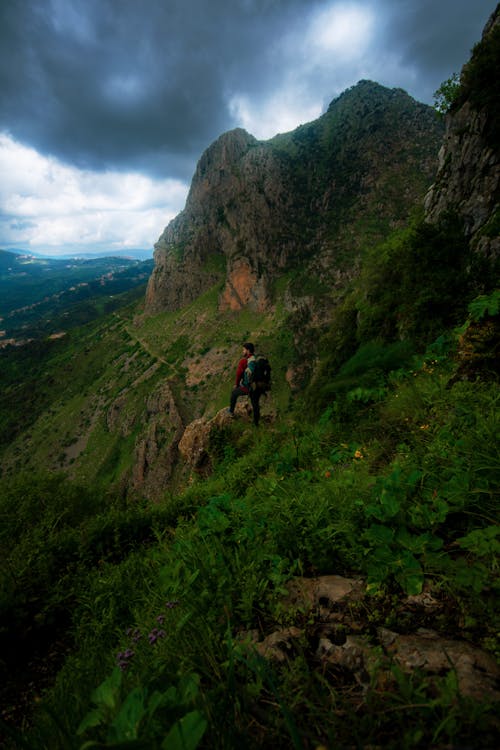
(108, 403)
(213, 602)
(39, 296)
(308, 201)
(266, 211)
(265, 227)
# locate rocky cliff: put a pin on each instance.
(309, 199)
(468, 178)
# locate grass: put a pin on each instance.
(405, 495)
(384, 468)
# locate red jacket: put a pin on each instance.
(242, 366)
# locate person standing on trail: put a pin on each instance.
(242, 383)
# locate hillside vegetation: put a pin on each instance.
(327, 580)
(384, 469)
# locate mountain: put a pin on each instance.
(170, 576)
(269, 246)
(272, 233)
(468, 178)
(312, 199)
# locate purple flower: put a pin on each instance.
(171, 605)
(160, 619)
(155, 634)
(123, 659)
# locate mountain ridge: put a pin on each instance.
(257, 208)
(187, 564)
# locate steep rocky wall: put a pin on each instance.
(299, 201)
(468, 177)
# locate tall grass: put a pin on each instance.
(159, 605)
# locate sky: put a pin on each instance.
(107, 105)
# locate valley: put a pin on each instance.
(42, 297)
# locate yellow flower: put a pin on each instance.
(358, 454)
(424, 426)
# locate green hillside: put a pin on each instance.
(384, 467)
(329, 579)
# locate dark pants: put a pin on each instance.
(254, 399)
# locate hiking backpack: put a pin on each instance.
(261, 375)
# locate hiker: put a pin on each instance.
(243, 381)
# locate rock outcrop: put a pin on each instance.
(468, 178)
(156, 448)
(306, 200)
(336, 637)
(194, 445)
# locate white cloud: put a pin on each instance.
(342, 30)
(329, 50)
(279, 113)
(48, 206)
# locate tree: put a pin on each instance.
(446, 94)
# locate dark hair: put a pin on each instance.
(250, 347)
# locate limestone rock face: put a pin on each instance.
(258, 209)
(195, 441)
(468, 177)
(156, 449)
(336, 636)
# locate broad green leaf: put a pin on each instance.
(188, 688)
(482, 541)
(408, 572)
(107, 692)
(126, 724)
(186, 733)
(418, 544)
(93, 719)
(390, 504)
(379, 535)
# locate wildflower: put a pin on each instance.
(160, 619)
(171, 605)
(123, 659)
(424, 426)
(155, 635)
(328, 474)
(358, 454)
(136, 635)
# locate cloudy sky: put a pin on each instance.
(107, 105)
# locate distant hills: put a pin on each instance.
(132, 254)
(42, 296)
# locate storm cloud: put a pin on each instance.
(144, 86)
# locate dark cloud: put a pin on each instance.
(147, 84)
(108, 82)
(435, 37)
